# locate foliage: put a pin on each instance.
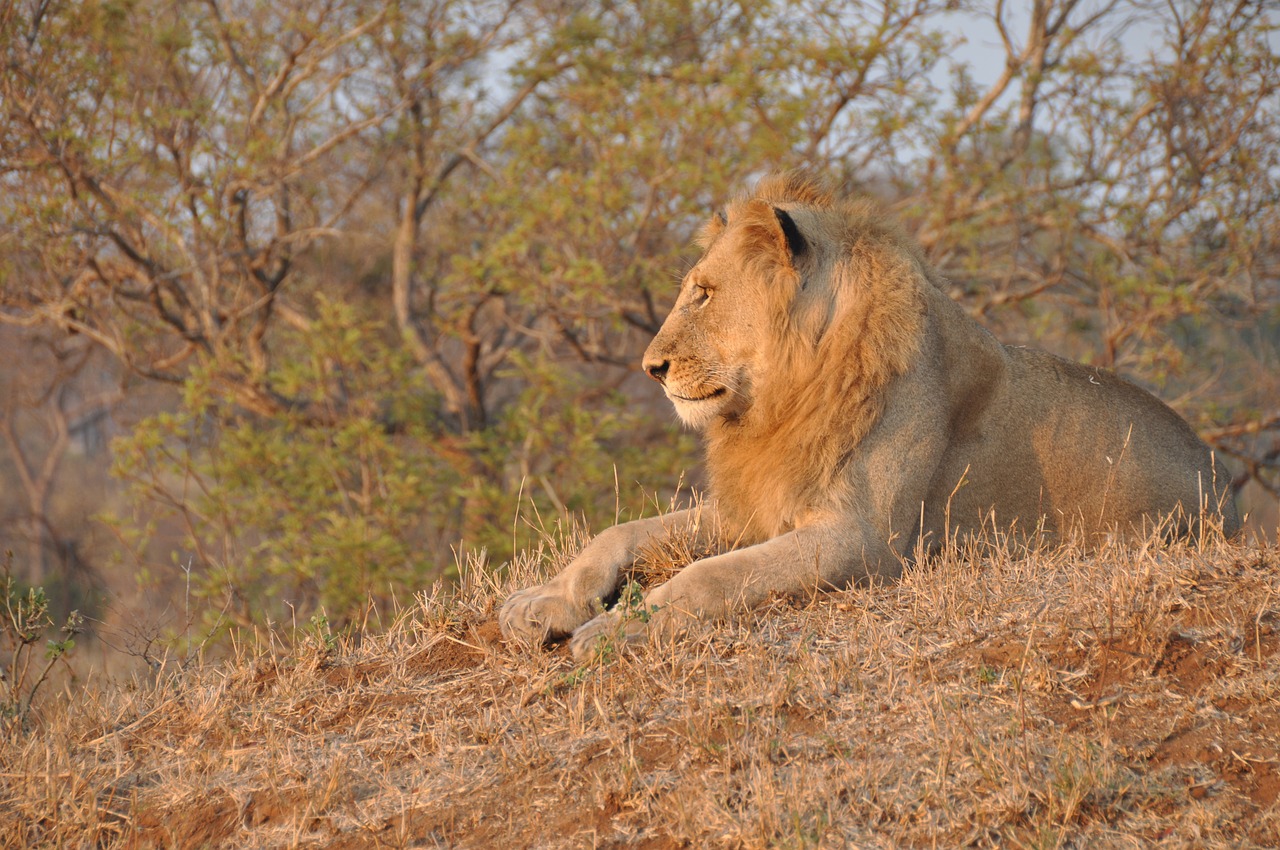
(24, 621)
(306, 509)
(298, 514)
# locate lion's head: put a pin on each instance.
(799, 311)
(788, 279)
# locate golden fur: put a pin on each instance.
(853, 412)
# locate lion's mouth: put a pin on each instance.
(713, 394)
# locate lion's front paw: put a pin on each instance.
(611, 630)
(540, 614)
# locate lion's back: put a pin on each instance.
(1087, 450)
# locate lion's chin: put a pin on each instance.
(697, 413)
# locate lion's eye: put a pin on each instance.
(701, 295)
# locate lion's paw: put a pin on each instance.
(540, 614)
(611, 630)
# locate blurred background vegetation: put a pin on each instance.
(298, 298)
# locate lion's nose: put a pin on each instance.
(657, 370)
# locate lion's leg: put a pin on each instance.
(803, 561)
(864, 535)
(864, 531)
(553, 610)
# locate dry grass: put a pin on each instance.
(1056, 699)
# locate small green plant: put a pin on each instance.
(631, 604)
(604, 651)
(321, 634)
(631, 609)
(569, 680)
(25, 621)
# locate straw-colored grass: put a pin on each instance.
(1123, 698)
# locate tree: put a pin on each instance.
(55, 406)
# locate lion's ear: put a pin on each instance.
(795, 239)
(711, 230)
(769, 233)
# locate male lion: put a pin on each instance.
(851, 408)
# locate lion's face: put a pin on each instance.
(712, 350)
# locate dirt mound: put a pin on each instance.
(1052, 699)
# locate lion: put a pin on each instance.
(855, 415)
